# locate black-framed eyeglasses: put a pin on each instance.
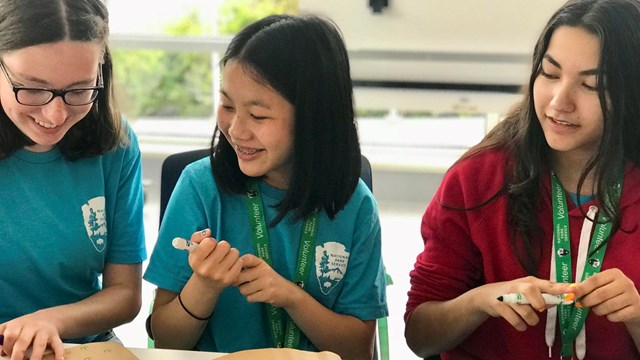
(39, 96)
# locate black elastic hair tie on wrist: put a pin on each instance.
(190, 313)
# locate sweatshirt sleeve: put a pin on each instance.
(451, 262)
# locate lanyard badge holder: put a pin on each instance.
(572, 318)
(288, 336)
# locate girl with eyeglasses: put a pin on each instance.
(71, 231)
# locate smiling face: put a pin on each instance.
(61, 65)
(565, 95)
(259, 124)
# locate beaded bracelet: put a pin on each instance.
(190, 313)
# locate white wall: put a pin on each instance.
(493, 26)
(439, 41)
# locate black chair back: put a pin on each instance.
(365, 172)
(172, 167)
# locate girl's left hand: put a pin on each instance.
(612, 294)
(260, 283)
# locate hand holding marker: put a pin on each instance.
(549, 299)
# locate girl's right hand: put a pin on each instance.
(215, 263)
(30, 335)
(519, 316)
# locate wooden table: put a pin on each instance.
(164, 354)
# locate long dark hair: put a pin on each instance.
(304, 59)
(27, 23)
(615, 24)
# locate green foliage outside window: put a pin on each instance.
(178, 84)
(158, 83)
(236, 14)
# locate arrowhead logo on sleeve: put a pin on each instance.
(331, 264)
(95, 222)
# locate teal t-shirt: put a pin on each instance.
(347, 275)
(62, 221)
(583, 198)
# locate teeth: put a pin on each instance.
(246, 151)
(45, 125)
(561, 122)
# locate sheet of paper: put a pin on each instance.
(280, 354)
(107, 350)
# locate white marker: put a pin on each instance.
(183, 244)
(517, 298)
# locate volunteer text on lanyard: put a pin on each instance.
(289, 337)
(572, 318)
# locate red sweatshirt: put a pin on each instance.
(466, 249)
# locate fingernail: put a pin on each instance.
(573, 285)
(579, 305)
(203, 232)
(542, 309)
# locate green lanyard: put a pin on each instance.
(289, 337)
(572, 318)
